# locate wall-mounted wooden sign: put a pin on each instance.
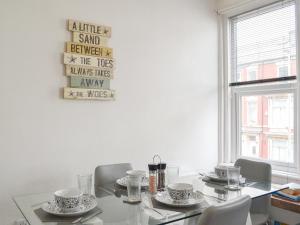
(91, 94)
(88, 62)
(82, 60)
(84, 82)
(91, 39)
(89, 72)
(89, 28)
(91, 50)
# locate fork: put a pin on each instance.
(155, 210)
(84, 219)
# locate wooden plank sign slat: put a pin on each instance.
(91, 72)
(89, 94)
(84, 82)
(83, 27)
(91, 39)
(91, 50)
(82, 60)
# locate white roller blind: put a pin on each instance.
(263, 43)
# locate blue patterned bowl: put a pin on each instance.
(68, 200)
(180, 191)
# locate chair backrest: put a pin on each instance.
(108, 174)
(234, 212)
(254, 170)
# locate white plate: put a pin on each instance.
(141, 173)
(123, 182)
(233, 188)
(214, 177)
(88, 203)
(164, 198)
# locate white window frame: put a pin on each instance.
(226, 141)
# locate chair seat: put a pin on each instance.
(233, 212)
(259, 218)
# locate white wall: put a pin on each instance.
(227, 3)
(166, 83)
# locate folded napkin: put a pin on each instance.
(287, 196)
(46, 217)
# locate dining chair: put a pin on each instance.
(106, 176)
(257, 172)
(233, 212)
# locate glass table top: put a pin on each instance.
(110, 199)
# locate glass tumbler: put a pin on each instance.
(85, 183)
(233, 175)
(172, 174)
(134, 188)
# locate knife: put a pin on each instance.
(84, 219)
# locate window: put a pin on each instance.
(269, 116)
(251, 74)
(283, 71)
(262, 39)
(281, 112)
(263, 85)
(250, 145)
(280, 149)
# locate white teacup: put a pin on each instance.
(68, 200)
(180, 191)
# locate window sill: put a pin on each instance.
(287, 177)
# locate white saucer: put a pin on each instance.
(123, 182)
(214, 177)
(164, 198)
(233, 188)
(88, 204)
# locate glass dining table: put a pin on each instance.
(111, 200)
